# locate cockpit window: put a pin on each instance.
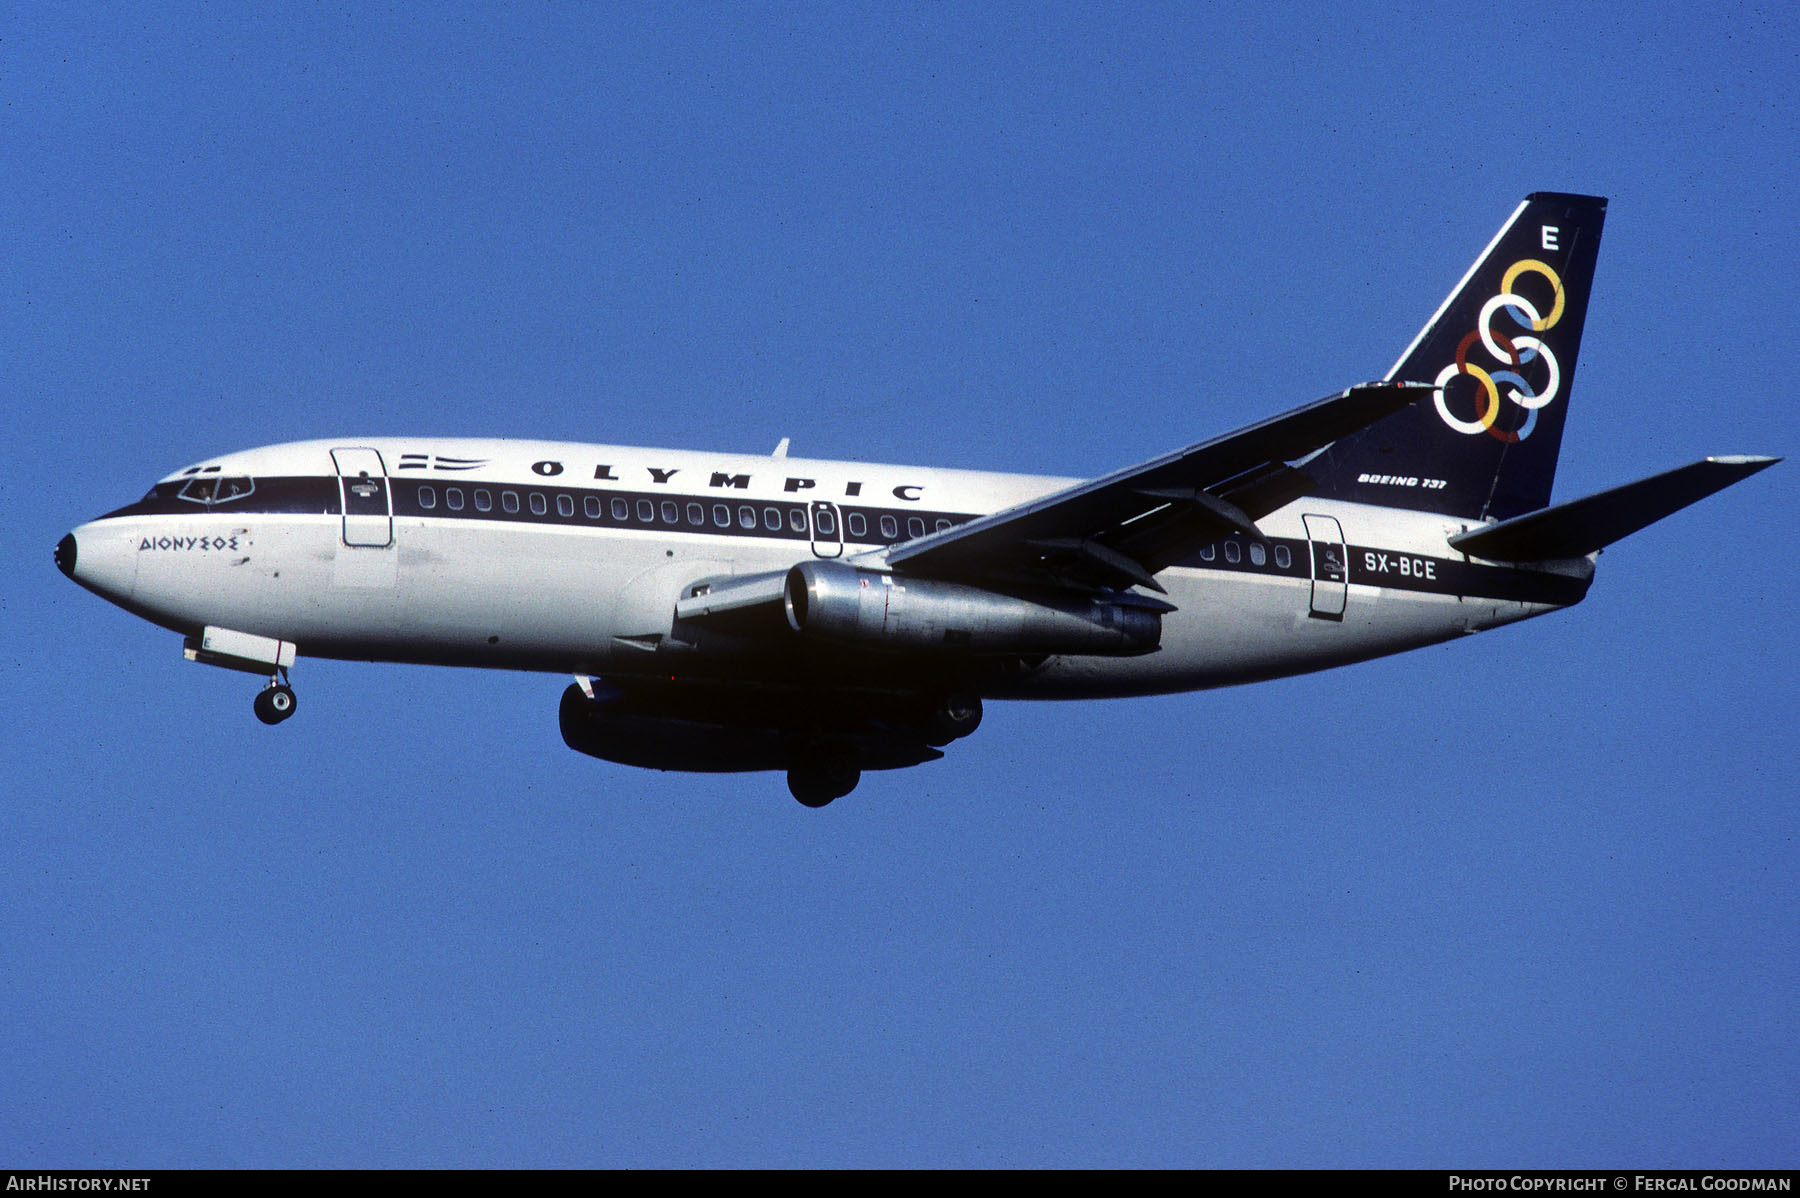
(235, 487)
(214, 489)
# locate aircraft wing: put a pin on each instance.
(1119, 530)
(1116, 531)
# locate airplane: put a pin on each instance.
(735, 613)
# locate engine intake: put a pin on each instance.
(833, 601)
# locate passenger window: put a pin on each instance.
(721, 515)
(1283, 558)
(1208, 553)
(825, 525)
(483, 501)
(747, 517)
(565, 505)
(427, 497)
(696, 515)
(1232, 553)
(539, 505)
(1258, 555)
(509, 500)
(859, 527)
(890, 527)
(797, 520)
(671, 512)
(646, 511)
(453, 498)
(621, 510)
(915, 527)
(591, 505)
(942, 525)
(772, 519)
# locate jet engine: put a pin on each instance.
(833, 601)
(728, 734)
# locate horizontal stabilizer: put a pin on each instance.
(1582, 526)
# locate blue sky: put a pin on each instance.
(1523, 900)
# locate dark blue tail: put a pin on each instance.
(1501, 355)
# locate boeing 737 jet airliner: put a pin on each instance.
(735, 613)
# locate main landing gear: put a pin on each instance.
(816, 783)
(275, 702)
(954, 717)
(826, 772)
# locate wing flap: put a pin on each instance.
(1125, 570)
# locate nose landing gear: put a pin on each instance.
(275, 702)
(253, 654)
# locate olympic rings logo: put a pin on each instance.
(1512, 353)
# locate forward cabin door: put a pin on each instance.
(368, 505)
(1330, 567)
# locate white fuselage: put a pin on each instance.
(570, 558)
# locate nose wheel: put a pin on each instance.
(275, 703)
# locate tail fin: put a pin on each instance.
(1501, 354)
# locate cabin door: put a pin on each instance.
(368, 506)
(1330, 567)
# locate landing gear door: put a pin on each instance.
(1330, 567)
(368, 506)
(827, 531)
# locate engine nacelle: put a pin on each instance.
(727, 736)
(837, 602)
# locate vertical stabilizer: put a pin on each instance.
(1500, 354)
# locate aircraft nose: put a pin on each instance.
(101, 557)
